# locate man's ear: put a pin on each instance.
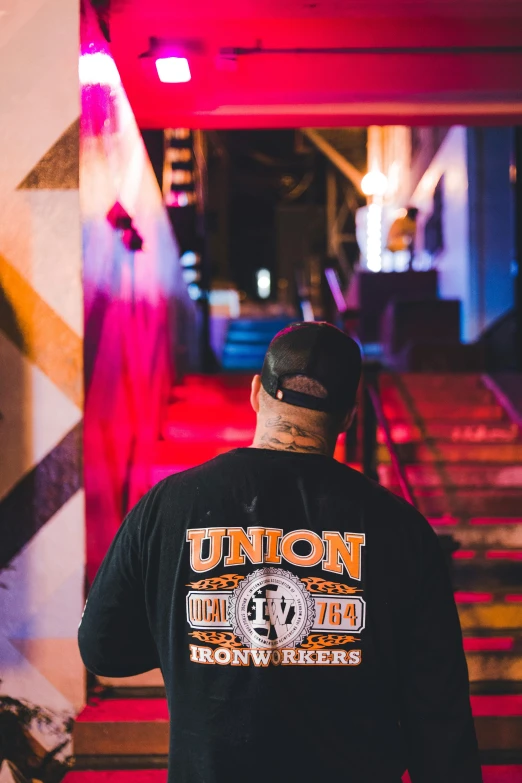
(348, 419)
(254, 394)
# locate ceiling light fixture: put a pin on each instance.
(171, 58)
(173, 70)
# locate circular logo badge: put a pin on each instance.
(271, 609)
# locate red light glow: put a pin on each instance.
(485, 643)
(504, 554)
(446, 520)
(496, 521)
(473, 598)
(464, 554)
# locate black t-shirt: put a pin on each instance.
(303, 620)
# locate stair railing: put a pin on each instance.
(376, 405)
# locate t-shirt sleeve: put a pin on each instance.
(435, 711)
(114, 636)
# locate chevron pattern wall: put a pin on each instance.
(42, 548)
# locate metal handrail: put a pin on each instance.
(502, 399)
(381, 418)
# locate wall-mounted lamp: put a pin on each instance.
(118, 217)
(120, 220)
(132, 240)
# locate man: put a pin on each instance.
(401, 235)
(302, 616)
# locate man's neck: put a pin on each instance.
(285, 434)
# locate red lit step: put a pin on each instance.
(117, 776)
(495, 520)
(486, 644)
(504, 554)
(464, 554)
(501, 773)
(444, 519)
(462, 597)
(500, 706)
(122, 727)
(103, 710)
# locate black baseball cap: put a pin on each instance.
(319, 351)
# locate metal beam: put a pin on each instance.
(338, 160)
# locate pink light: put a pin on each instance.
(514, 598)
(484, 643)
(179, 198)
(473, 598)
(496, 521)
(173, 70)
(464, 554)
(497, 705)
(446, 520)
(504, 554)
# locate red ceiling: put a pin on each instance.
(288, 90)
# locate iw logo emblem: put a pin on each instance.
(271, 609)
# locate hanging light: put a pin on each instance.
(264, 283)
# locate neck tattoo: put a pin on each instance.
(284, 435)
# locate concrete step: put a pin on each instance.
(505, 773)
(503, 431)
(469, 503)
(457, 475)
(247, 361)
(250, 337)
(240, 434)
(123, 727)
(419, 380)
(474, 568)
(495, 667)
(439, 395)
(444, 452)
(457, 412)
(488, 614)
(492, 533)
(152, 679)
(268, 326)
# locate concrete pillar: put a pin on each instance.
(41, 384)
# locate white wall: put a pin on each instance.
(453, 263)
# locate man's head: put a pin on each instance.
(305, 395)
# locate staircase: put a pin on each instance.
(462, 456)
(451, 433)
(247, 342)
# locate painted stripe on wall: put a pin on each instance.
(40, 494)
(58, 169)
(40, 333)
